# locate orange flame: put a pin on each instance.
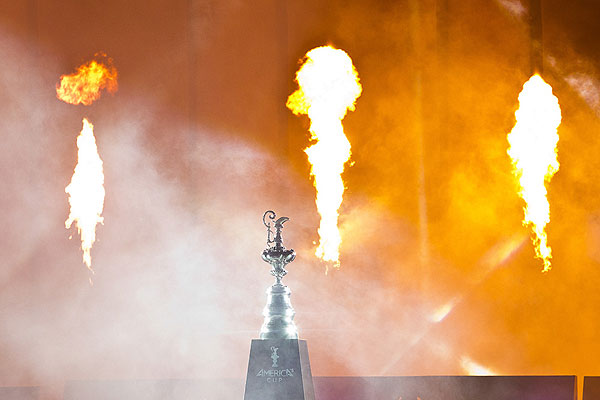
(328, 88)
(86, 191)
(84, 86)
(533, 152)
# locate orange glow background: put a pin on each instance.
(197, 144)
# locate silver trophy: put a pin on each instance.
(278, 312)
(278, 367)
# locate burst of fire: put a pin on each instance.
(328, 88)
(533, 151)
(86, 191)
(84, 86)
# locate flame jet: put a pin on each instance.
(533, 151)
(328, 88)
(86, 191)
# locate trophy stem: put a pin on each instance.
(279, 314)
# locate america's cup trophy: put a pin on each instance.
(279, 368)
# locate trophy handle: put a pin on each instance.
(271, 215)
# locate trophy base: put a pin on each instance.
(279, 369)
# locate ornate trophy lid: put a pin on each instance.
(275, 253)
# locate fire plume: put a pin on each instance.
(86, 191)
(533, 151)
(328, 88)
(84, 86)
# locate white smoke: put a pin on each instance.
(514, 7)
(587, 87)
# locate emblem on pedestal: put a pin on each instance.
(274, 356)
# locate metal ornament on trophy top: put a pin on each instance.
(278, 312)
(278, 367)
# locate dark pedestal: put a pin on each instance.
(279, 369)
(591, 388)
(153, 389)
(447, 388)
